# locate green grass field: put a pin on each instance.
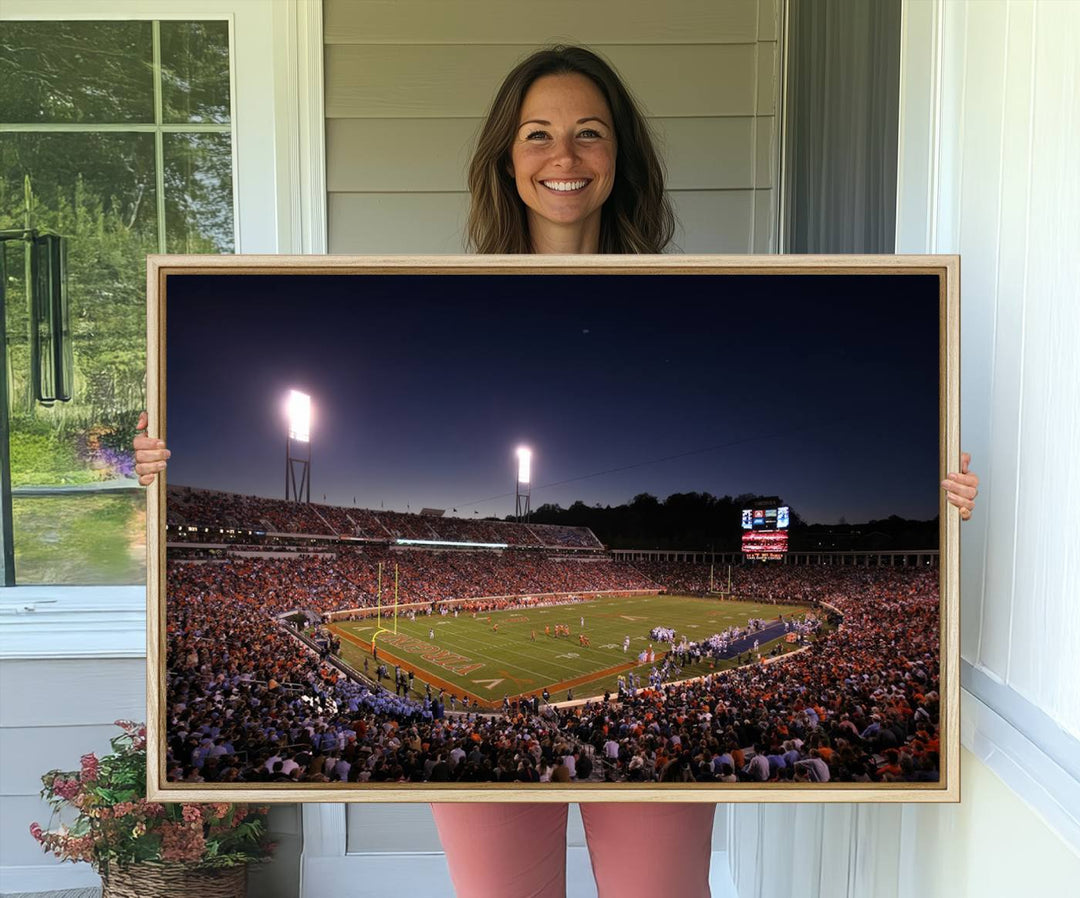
(468, 657)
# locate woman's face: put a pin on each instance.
(563, 154)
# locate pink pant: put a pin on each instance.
(519, 850)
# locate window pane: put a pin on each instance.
(83, 539)
(198, 193)
(106, 175)
(76, 72)
(195, 71)
(98, 191)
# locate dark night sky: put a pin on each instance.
(819, 389)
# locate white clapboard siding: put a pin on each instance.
(713, 221)
(459, 80)
(768, 21)
(764, 139)
(766, 221)
(76, 692)
(523, 22)
(768, 78)
(380, 155)
(432, 155)
(53, 712)
(391, 222)
(29, 751)
(17, 846)
(708, 153)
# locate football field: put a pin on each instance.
(515, 652)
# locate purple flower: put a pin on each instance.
(117, 462)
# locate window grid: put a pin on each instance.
(159, 128)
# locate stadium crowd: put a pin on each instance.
(190, 507)
(250, 701)
(352, 578)
(685, 577)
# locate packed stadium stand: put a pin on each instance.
(199, 508)
(250, 700)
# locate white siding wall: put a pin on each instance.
(408, 83)
(989, 150)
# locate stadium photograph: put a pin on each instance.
(545, 531)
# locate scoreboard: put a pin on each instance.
(765, 532)
(766, 518)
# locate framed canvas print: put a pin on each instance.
(553, 528)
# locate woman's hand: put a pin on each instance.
(150, 454)
(961, 487)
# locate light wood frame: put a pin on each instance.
(946, 268)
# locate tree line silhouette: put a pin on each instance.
(701, 521)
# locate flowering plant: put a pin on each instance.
(115, 824)
(104, 449)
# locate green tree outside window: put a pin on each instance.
(117, 136)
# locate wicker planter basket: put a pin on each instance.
(174, 881)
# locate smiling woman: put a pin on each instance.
(563, 117)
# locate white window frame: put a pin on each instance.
(279, 207)
(277, 100)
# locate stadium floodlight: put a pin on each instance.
(299, 416)
(298, 407)
(524, 457)
(523, 487)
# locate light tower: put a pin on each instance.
(299, 432)
(523, 490)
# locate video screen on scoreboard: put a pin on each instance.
(766, 518)
(765, 544)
